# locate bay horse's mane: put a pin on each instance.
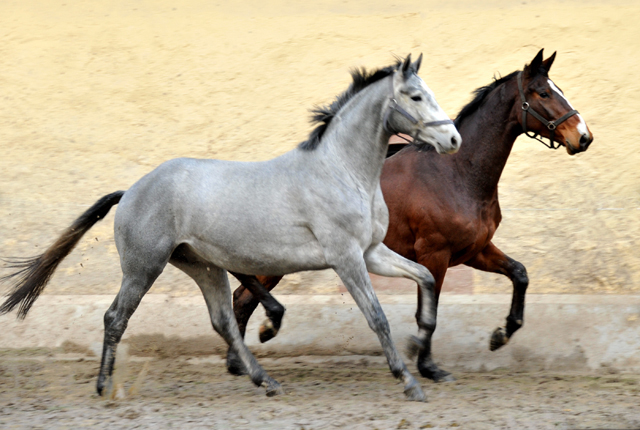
(480, 94)
(324, 114)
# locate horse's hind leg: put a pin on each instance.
(134, 287)
(245, 302)
(274, 310)
(491, 259)
(214, 284)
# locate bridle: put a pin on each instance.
(394, 106)
(551, 125)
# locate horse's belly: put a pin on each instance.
(274, 255)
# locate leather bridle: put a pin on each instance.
(394, 106)
(551, 125)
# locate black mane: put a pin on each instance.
(482, 93)
(324, 114)
(480, 96)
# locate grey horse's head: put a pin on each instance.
(426, 123)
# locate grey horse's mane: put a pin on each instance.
(324, 114)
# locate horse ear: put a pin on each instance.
(532, 68)
(546, 64)
(405, 65)
(416, 65)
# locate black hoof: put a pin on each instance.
(234, 365)
(433, 372)
(498, 339)
(101, 387)
(273, 388)
(443, 376)
(267, 331)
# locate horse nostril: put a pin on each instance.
(585, 140)
(454, 142)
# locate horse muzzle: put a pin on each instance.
(577, 143)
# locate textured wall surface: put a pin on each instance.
(93, 95)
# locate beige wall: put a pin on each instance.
(94, 94)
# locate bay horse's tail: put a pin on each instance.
(34, 273)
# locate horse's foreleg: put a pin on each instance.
(382, 261)
(353, 273)
(491, 259)
(244, 304)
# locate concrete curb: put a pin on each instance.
(561, 332)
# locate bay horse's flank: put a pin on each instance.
(444, 211)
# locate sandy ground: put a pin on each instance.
(345, 392)
(94, 94)
(97, 93)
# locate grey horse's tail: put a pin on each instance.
(34, 273)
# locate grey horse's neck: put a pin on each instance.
(356, 138)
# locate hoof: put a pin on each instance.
(414, 392)
(273, 388)
(431, 371)
(414, 346)
(234, 365)
(443, 376)
(498, 339)
(104, 386)
(267, 331)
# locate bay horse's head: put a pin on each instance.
(413, 111)
(546, 112)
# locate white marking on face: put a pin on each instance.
(582, 125)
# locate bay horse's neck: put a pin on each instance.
(356, 138)
(488, 135)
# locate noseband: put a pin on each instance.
(394, 106)
(551, 125)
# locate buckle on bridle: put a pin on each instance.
(395, 106)
(551, 125)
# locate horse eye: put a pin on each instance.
(544, 95)
(416, 98)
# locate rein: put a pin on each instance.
(551, 125)
(394, 106)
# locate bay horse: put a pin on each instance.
(444, 211)
(318, 206)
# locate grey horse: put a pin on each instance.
(318, 206)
